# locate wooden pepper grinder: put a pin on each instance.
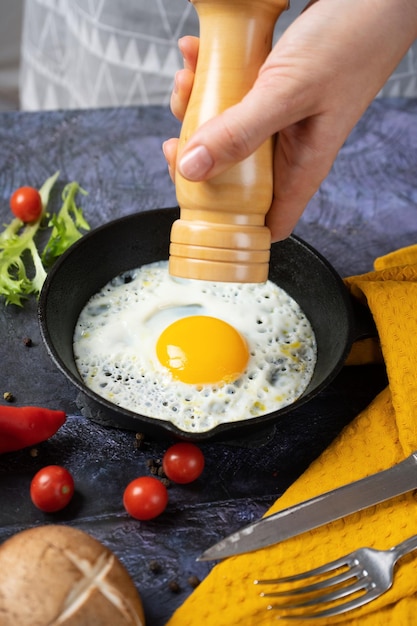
(221, 234)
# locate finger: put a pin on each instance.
(188, 47)
(301, 164)
(169, 148)
(237, 132)
(183, 84)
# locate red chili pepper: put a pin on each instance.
(23, 426)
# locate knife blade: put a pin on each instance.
(319, 510)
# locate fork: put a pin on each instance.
(356, 579)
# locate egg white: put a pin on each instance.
(115, 347)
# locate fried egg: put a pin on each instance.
(194, 353)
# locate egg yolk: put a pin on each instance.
(202, 350)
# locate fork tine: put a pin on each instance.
(322, 584)
(342, 592)
(344, 561)
(344, 607)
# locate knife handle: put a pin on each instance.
(221, 233)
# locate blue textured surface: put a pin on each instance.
(366, 207)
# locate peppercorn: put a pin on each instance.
(27, 341)
(8, 396)
(155, 566)
(154, 466)
(193, 581)
(174, 586)
(139, 440)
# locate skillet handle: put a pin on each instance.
(363, 323)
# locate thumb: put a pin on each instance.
(232, 135)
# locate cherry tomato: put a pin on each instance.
(183, 462)
(52, 488)
(26, 204)
(145, 498)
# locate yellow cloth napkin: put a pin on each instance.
(381, 436)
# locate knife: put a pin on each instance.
(317, 511)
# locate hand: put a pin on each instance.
(312, 89)
(182, 89)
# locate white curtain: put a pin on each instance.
(95, 53)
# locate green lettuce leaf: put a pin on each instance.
(22, 268)
(65, 225)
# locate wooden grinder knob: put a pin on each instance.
(221, 234)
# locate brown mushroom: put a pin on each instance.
(60, 576)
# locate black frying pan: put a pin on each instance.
(142, 238)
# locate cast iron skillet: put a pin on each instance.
(141, 238)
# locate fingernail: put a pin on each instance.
(196, 163)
